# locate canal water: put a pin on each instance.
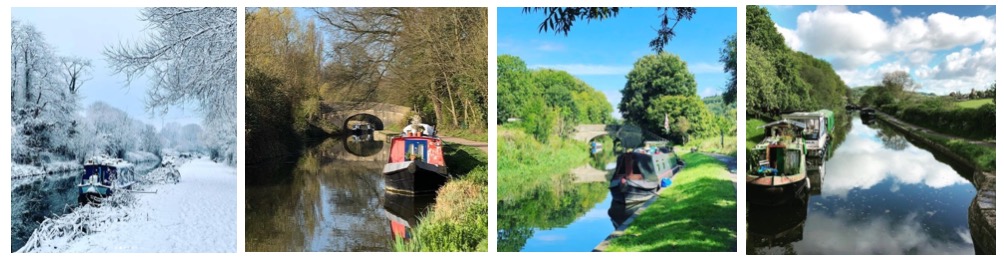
(52, 196)
(567, 216)
(878, 193)
(330, 198)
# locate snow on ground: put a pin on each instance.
(198, 214)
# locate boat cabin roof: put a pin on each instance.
(107, 162)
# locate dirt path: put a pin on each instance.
(483, 146)
(730, 162)
(890, 118)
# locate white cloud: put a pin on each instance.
(966, 63)
(547, 46)
(856, 39)
(587, 69)
(704, 67)
(790, 37)
(896, 12)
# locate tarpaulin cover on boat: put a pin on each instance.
(642, 164)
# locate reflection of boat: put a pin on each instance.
(416, 163)
(102, 177)
(362, 145)
(620, 211)
(816, 178)
(403, 212)
(360, 129)
(639, 174)
(818, 127)
(772, 226)
(776, 169)
(867, 112)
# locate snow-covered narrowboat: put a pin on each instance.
(416, 164)
(103, 177)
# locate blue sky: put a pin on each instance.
(601, 53)
(85, 32)
(944, 48)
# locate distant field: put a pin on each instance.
(974, 103)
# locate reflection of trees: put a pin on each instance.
(769, 227)
(548, 206)
(284, 213)
(890, 138)
(840, 130)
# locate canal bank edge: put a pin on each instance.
(623, 228)
(983, 209)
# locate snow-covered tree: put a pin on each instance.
(192, 55)
(42, 109)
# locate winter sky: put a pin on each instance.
(944, 48)
(601, 53)
(85, 32)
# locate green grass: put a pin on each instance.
(697, 213)
(753, 132)
(974, 103)
(985, 158)
(523, 162)
(714, 145)
(459, 220)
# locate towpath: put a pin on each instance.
(730, 163)
(901, 123)
(483, 146)
(197, 214)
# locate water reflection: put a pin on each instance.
(619, 212)
(329, 199)
(775, 228)
(870, 156)
(877, 194)
(403, 212)
(558, 216)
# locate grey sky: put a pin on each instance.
(85, 32)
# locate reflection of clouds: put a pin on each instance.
(862, 161)
(840, 234)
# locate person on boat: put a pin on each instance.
(418, 128)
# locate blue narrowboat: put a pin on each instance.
(102, 177)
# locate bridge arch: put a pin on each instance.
(373, 120)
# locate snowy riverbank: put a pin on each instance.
(198, 214)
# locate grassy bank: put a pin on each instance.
(697, 213)
(985, 158)
(459, 220)
(714, 145)
(523, 162)
(753, 132)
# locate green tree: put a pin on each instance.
(661, 76)
(687, 117)
(727, 56)
(514, 86)
(760, 30)
(561, 19)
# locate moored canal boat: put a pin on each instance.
(818, 127)
(640, 174)
(776, 170)
(416, 164)
(102, 177)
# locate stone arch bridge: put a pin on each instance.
(337, 115)
(629, 135)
